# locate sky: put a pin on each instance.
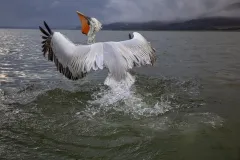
(63, 12)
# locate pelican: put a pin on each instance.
(74, 61)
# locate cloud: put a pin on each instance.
(164, 10)
(55, 12)
(63, 12)
(54, 4)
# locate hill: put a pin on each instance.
(217, 23)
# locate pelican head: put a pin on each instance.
(90, 26)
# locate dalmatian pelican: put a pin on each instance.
(74, 61)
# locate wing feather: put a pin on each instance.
(75, 61)
(128, 54)
(49, 47)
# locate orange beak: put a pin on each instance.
(85, 23)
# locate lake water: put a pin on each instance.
(186, 106)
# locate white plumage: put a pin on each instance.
(95, 26)
(75, 61)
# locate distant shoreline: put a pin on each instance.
(202, 24)
(185, 30)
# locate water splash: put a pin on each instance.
(124, 84)
(121, 97)
(117, 91)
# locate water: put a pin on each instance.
(184, 107)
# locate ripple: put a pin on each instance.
(46, 116)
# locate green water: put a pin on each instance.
(184, 107)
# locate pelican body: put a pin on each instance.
(74, 61)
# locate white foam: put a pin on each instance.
(121, 97)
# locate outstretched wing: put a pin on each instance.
(71, 60)
(75, 61)
(124, 55)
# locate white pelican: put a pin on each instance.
(75, 61)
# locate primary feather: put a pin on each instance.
(75, 61)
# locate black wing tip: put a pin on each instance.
(43, 31)
(51, 57)
(46, 38)
(48, 28)
(47, 32)
(130, 36)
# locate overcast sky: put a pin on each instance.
(63, 12)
